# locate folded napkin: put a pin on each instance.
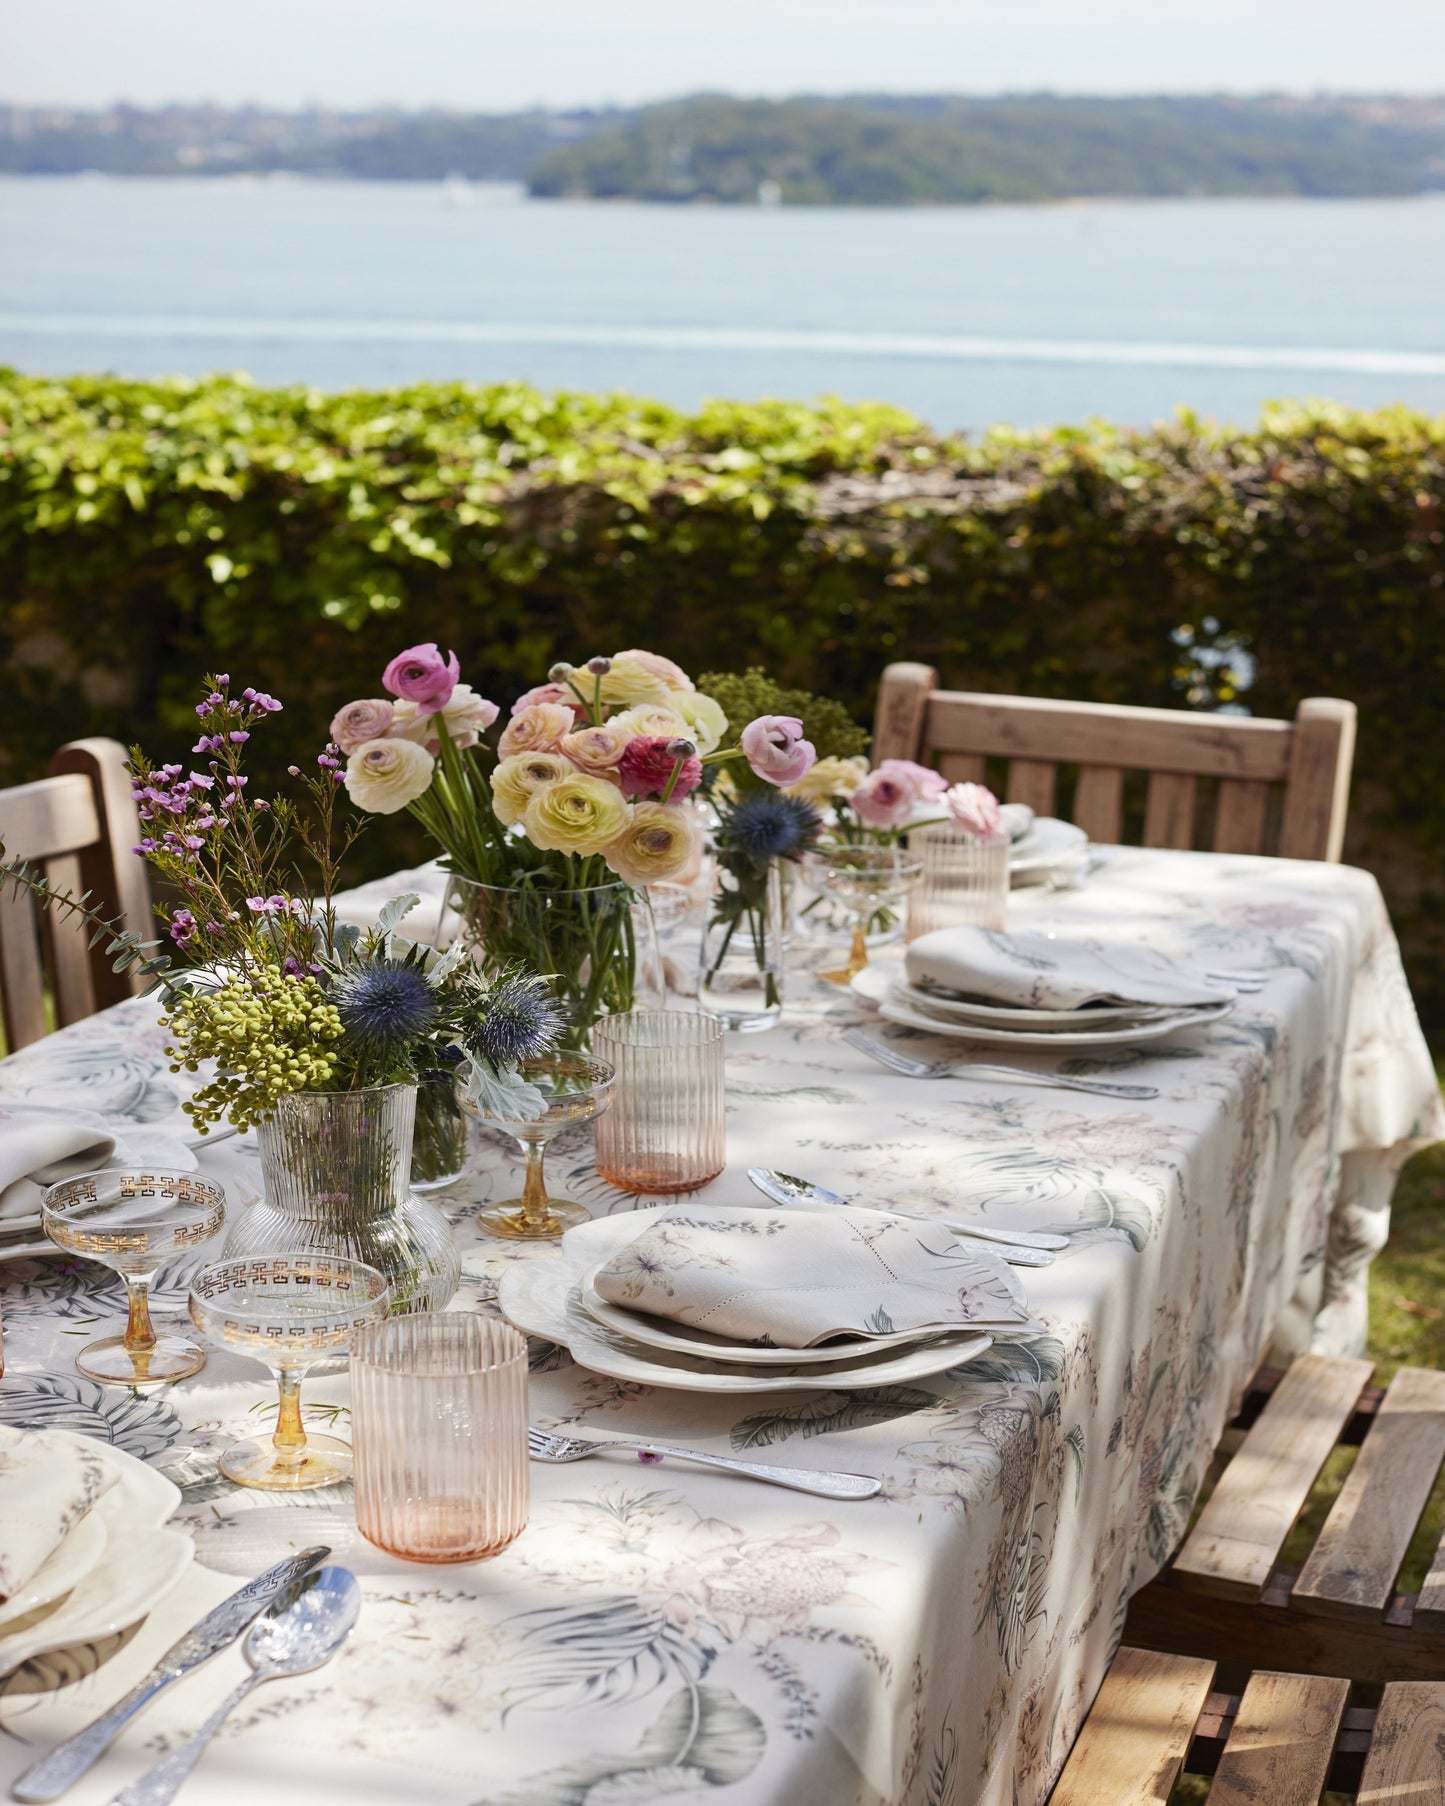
(47, 1484)
(42, 1144)
(791, 1281)
(1045, 972)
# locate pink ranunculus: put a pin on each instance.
(421, 675)
(775, 748)
(646, 767)
(361, 721)
(537, 729)
(672, 675)
(928, 785)
(883, 801)
(974, 807)
(548, 693)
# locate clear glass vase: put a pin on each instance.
(441, 1147)
(596, 945)
(336, 1166)
(740, 971)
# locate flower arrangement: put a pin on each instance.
(879, 807)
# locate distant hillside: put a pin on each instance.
(862, 150)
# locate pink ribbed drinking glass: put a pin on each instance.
(439, 1435)
(664, 1132)
(965, 880)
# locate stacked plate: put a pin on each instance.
(1041, 845)
(559, 1301)
(112, 1565)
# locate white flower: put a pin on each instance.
(467, 716)
(383, 776)
(704, 718)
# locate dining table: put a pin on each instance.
(667, 1632)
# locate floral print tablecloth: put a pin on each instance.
(665, 1633)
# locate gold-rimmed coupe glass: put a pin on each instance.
(868, 882)
(133, 1222)
(290, 1311)
(575, 1088)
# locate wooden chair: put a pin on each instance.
(957, 731)
(79, 826)
(1226, 1595)
(1281, 1743)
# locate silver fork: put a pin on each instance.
(548, 1446)
(947, 1069)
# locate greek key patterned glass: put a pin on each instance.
(665, 1131)
(964, 882)
(439, 1432)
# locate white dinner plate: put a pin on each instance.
(895, 1008)
(874, 983)
(1048, 843)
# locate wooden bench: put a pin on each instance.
(1273, 786)
(1282, 1742)
(1226, 1595)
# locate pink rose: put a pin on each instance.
(646, 768)
(928, 785)
(775, 748)
(672, 675)
(421, 675)
(974, 808)
(539, 728)
(359, 722)
(548, 693)
(883, 801)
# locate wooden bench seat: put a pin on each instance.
(1227, 1597)
(1282, 1742)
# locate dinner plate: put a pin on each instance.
(1047, 844)
(874, 983)
(894, 1008)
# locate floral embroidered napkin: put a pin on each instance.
(1048, 972)
(791, 1281)
(41, 1145)
(47, 1484)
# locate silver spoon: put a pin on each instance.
(304, 1628)
(784, 1188)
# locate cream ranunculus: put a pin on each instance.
(538, 728)
(830, 778)
(705, 720)
(628, 682)
(578, 814)
(517, 780)
(660, 841)
(597, 749)
(672, 675)
(648, 718)
(467, 717)
(383, 776)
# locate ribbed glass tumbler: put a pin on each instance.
(964, 881)
(665, 1131)
(439, 1435)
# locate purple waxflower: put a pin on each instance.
(183, 927)
(239, 737)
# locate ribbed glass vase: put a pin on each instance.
(335, 1166)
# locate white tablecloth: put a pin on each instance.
(666, 1633)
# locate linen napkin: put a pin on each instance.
(42, 1144)
(47, 1484)
(1047, 972)
(791, 1281)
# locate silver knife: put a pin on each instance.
(68, 1761)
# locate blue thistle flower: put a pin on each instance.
(519, 1020)
(385, 1006)
(765, 824)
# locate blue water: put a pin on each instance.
(967, 316)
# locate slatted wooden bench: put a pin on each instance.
(1226, 1595)
(1282, 1742)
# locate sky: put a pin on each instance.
(490, 56)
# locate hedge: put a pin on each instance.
(151, 530)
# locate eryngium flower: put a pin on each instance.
(519, 1020)
(765, 824)
(384, 1007)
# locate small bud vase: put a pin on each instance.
(335, 1165)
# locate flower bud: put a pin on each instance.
(681, 749)
(599, 666)
(560, 672)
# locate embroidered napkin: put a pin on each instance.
(47, 1484)
(40, 1145)
(791, 1281)
(1047, 972)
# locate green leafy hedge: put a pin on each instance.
(151, 530)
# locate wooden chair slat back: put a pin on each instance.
(1308, 758)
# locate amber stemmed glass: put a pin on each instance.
(134, 1222)
(290, 1311)
(867, 881)
(574, 1088)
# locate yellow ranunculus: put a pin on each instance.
(383, 776)
(517, 780)
(628, 682)
(830, 778)
(705, 720)
(661, 840)
(651, 718)
(578, 814)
